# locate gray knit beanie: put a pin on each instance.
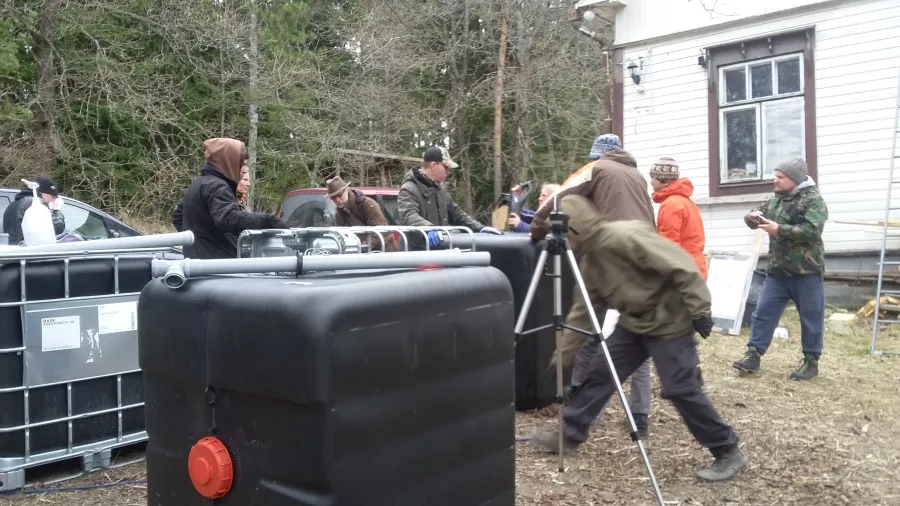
(794, 169)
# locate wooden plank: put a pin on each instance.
(874, 223)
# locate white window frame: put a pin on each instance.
(747, 80)
(758, 104)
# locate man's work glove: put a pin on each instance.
(491, 230)
(56, 204)
(434, 238)
(703, 325)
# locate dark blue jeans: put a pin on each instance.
(808, 294)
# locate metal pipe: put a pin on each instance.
(82, 255)
(102, 245)
(176, 273)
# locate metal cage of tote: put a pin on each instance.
(70, 385)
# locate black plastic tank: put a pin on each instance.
(516, 255)
(392, 388)
(42, 391)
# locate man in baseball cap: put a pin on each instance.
(424, 202)
(49, 195)
(440, 155)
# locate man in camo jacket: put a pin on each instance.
(794, 218)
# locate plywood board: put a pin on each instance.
(730, 275)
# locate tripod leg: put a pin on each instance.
(529, 295)
(612, 370)
(558, 321)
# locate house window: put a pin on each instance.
(760, 92)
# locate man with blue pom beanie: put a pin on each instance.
(612, 181)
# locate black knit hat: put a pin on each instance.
(47, 185)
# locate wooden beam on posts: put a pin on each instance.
(378, 155)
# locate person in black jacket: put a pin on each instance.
(12, 217)
(209, 208)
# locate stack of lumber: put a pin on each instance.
(888, 303)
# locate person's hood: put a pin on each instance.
(226, 155)
(417, 176)
(621, 156)
(24, 192)
(809, 183)
(584, 220)
(682, 187)
(353, 196)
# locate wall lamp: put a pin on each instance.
(633, 70)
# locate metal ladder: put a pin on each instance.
(885, 235)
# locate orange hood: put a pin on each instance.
(682, 187)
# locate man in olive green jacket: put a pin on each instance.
(662, 299)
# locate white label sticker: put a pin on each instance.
(62, 333)
(116, 318)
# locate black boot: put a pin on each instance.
(643, 426)
(728, 462)
(750, 362)
(808, 369)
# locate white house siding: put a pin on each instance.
(857, 60)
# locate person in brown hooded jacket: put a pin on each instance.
(619, 192)
(662, 300)
(210, 209)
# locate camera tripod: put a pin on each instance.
(558, 246)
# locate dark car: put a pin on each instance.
(308, 207)
(89, 222)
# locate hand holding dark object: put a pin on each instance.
(757, 217)
(277, 223)
(703, 325)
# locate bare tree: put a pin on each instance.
(253, 115)
(498, 99)
(45, 141)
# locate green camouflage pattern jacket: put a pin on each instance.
(797, 250)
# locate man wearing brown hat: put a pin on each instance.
(356, 210)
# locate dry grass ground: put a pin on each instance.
(831, 441)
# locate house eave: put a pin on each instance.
(721, 27)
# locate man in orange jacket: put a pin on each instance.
(679, 218)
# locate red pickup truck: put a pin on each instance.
(308, 207)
